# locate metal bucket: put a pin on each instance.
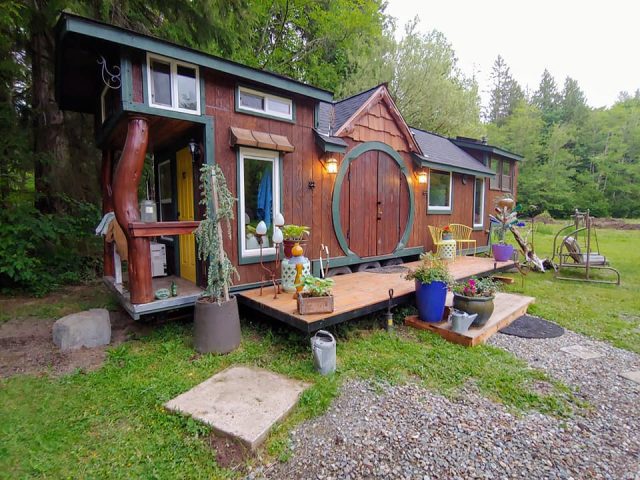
(323, 347)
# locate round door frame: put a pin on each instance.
(337, 193)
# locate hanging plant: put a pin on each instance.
(219, 205)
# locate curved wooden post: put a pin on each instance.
(125, 202)
(107, 206)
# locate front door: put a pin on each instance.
(374, 212)
(184, 171)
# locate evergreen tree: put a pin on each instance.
(505, 93)
(547, 98)
(573, 103)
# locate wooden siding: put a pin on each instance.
(137, 87)
(376, 124)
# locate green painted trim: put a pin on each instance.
(236, 103)
(446, 211)
(69, 23)
(327, 145)
(487, 148)
(337, 192)
(422, 162)
(161, 112)
(350, 260)
(126, 78)
(244, 260)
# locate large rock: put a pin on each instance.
(91, 328)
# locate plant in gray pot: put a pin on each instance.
(216, 319)
(475, 296)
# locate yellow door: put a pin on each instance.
(184, 172)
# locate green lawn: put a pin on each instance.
(607, 312)
(111, 423)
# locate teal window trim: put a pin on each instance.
(440, 210)
(243, 258)
(349, 260)
(256, 113)
(337, 193)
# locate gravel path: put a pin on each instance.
(409, 432)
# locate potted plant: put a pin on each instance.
(475, 296)
(293, 234)
(216, 319)
(505, 217)
(447, 234)
(432, 280)
(316, 295)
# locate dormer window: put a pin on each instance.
(254, 101)
(173, 85)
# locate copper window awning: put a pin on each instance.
(253, 138)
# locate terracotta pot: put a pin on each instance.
(216, 328)
(502, 252)
(483, 306)
(289, 244)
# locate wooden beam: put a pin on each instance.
(125, 201)
(107, 206)
(142, 229)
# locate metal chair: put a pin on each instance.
(462, 236)
(436, 237)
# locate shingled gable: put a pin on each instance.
(347, 113)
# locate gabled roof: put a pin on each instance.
(483, 146)
(441, 153)
(347, 108)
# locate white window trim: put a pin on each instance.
(267, 97)
(173, 65)
(430, 208)
(254, 153)
(484, 191)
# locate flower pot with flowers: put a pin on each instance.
(432, 280)
(447, 234)
(475, 296)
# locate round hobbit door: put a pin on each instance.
(374, 204)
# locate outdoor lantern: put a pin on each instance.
(194, 149)
(261, 228)
(331, 165)
(422, 177)
(278, 220)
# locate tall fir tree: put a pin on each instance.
(505, 93)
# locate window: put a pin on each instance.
(439, 191)
(173, 85)
(478, 202)
(165, 191)
(259, 188)
(265, 103)
(504, 175)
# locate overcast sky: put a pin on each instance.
(594, 42)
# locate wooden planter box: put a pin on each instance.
(309, 305)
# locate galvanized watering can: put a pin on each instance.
(323, 346)
(461, 321)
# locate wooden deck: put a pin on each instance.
(507, 307)
(358, 294)
(188, 293)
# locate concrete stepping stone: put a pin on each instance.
(582, 352)
(633, 375)
(241, 402)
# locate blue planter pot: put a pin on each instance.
(430, 299)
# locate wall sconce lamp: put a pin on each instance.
(422, 177)
(194, 148)
(331, 165)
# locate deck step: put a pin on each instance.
(507, 307)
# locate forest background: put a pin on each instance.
(575, 156)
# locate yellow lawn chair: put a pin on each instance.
(462, 236)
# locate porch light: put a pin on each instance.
(331, 165)
(194, 148)
(422, 177)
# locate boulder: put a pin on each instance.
(91, 328)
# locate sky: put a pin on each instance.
(593, 41)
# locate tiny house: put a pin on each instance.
(366, 184)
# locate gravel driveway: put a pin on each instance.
(409, 432)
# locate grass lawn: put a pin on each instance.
(111, 423)
(607, 312)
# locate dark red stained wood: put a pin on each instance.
(107, 206)
(363, 204)
(390, 226)
(136, 76)
(142, 229)
(125, 201)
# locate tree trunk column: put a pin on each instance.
(107, 206)
(125, 202)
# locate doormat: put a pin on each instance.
(528, 326)
(389, 269)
